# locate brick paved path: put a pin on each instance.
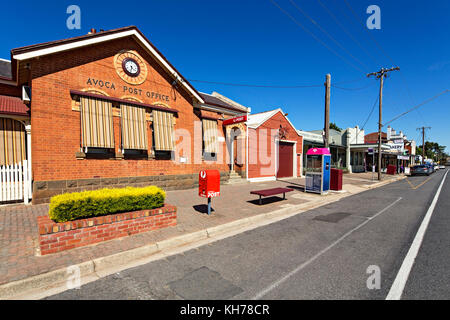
(19, 234)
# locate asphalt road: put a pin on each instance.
(331, 252)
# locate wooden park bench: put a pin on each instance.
(271, 192)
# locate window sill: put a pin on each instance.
(80, 155)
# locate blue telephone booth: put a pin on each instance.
(318, 168)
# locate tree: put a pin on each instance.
(335, 127)
(432, 151)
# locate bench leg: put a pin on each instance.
(260, 202)
(284, 195)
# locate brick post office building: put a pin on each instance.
(107, 109)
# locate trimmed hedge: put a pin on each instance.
(86, 204)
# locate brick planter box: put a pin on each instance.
(56, 237)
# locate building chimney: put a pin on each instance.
(92, 31)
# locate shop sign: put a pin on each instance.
(235, 120)
(397, 147)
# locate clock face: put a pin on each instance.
(131, 67)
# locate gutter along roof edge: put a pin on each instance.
(32, 51)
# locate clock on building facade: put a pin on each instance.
(130, 67)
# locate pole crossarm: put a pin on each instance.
(383, 72)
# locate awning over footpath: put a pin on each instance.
(13, 106)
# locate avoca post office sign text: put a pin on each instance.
(127, 89)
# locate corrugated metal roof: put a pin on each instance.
(13, 105)
(256, 119)
(211, 100)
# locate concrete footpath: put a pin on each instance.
(24, 274)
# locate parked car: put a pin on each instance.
(421, 169)
(430, 167)
(441, 167)
(436, 167)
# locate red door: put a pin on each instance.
(285, 160)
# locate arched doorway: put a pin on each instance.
(235, 148)
(12, 142)
(15, 180)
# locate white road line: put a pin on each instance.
(402, 276)
(263, 292)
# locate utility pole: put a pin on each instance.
(423, 142)
(381, 75)
(327, 111)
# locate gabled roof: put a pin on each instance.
(257, 119)
(221, 101)
(13, 105)
(29, 52)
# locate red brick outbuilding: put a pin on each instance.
(275, 147)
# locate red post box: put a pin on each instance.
(209, 183)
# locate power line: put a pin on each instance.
(370, 114)
(419, 105)
(326, 33)
(370, 35)
(287, 86)
(380, 48)
(258, 85)
(314, 36)
(345, 30)
(350, 81)
(353, 89)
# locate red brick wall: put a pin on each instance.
(262, 146)
(56, 127)
(56, 237)
(373, 137)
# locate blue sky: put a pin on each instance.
(254, 42)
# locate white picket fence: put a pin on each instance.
(15, 182)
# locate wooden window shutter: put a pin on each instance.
(210, 135)
(96, 123)
(134, 127)
(163, 130)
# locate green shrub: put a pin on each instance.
(71, 206)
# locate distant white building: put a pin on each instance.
(339, 143)
(355, 135)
